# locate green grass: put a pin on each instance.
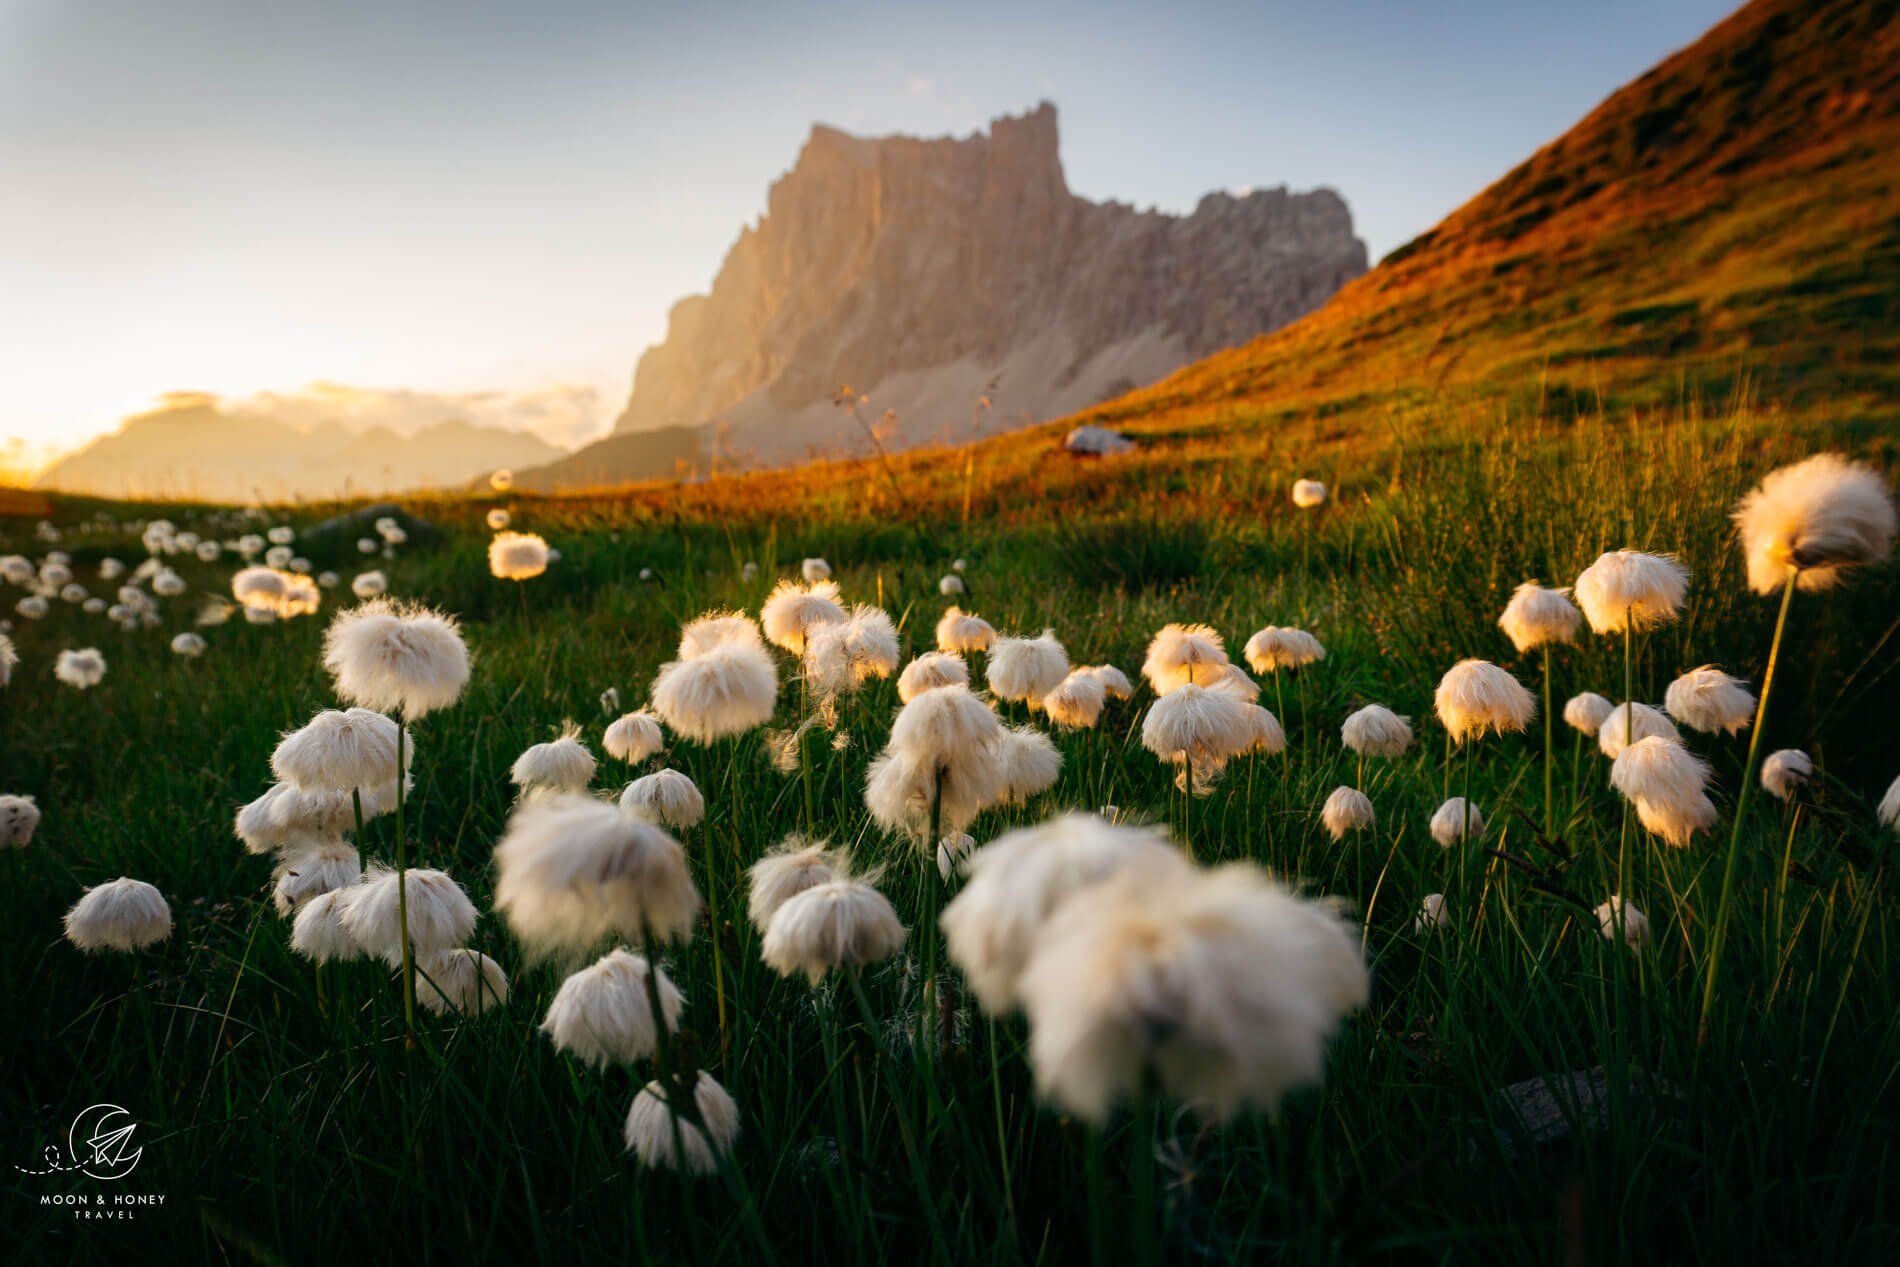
(284, 1122)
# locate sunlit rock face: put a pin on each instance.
(933, 276)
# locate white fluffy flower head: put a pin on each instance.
(1709, 700)
(1816, 518)
(1630, 588)
(1537, 617)
(122, 914)
(1476, 697)
(396, 659)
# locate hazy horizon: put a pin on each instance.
(460, 205)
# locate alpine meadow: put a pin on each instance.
(1416, 785)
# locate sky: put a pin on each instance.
(495, 205)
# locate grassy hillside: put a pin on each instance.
(1727, 226)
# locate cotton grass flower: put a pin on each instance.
(930, 671)
(1030, 763)
(1432, 915)
(1376, 731)
(517, 556)
(1346, 810)
(814, 570)
(259, 587)
(83, 669)
(1635, 923)
(122, 914)
(498, 519)
(1274, 648)
(959, 633)
(665, 797)
(1476, 697)
(1016, 882)
(1228, 679)
(1587, 712)
(1629, 590)
(1308, 494)
(951, 585)
(440, 916)
(944, 750)
(1455, 821)
(1222, 986)
(1115, 683)
(727, 690)
(792, 611)
(318, 933)
(396, 659)
(460, 981)
(1026, 669)
(368, 585)
(306, 870)
(603, 1014)
(1815, 519)
(1627, 723)
(841, 656)
(19, 819)
(1888, 812)
(1709, 700)
(656, 1138)
(717, 629)
(1784, 773)
(571, 871)
(1665, 782)
(188, 645)
(633, 738)
(1180, 654)
(1537, 617)
(502, 480)
(1077, 700)
(1264, 734)
(32, 607)
(795, 865)
(1197, 728)
(561, 765)
(953, 851)
(838, 924)
(285, 812)
(339, 750)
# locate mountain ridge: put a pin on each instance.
(959, 287)
(190, 447)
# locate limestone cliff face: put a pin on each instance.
(929, 274)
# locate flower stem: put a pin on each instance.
(1629, 737)
(1550, 784)
(1720, 932)
(402, 897)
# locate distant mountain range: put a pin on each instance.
(958, 289)
(1725, 227)
(193, 448)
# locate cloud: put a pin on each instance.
(564, 414)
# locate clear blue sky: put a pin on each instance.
(250, 196)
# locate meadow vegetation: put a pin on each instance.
(286, 1121)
